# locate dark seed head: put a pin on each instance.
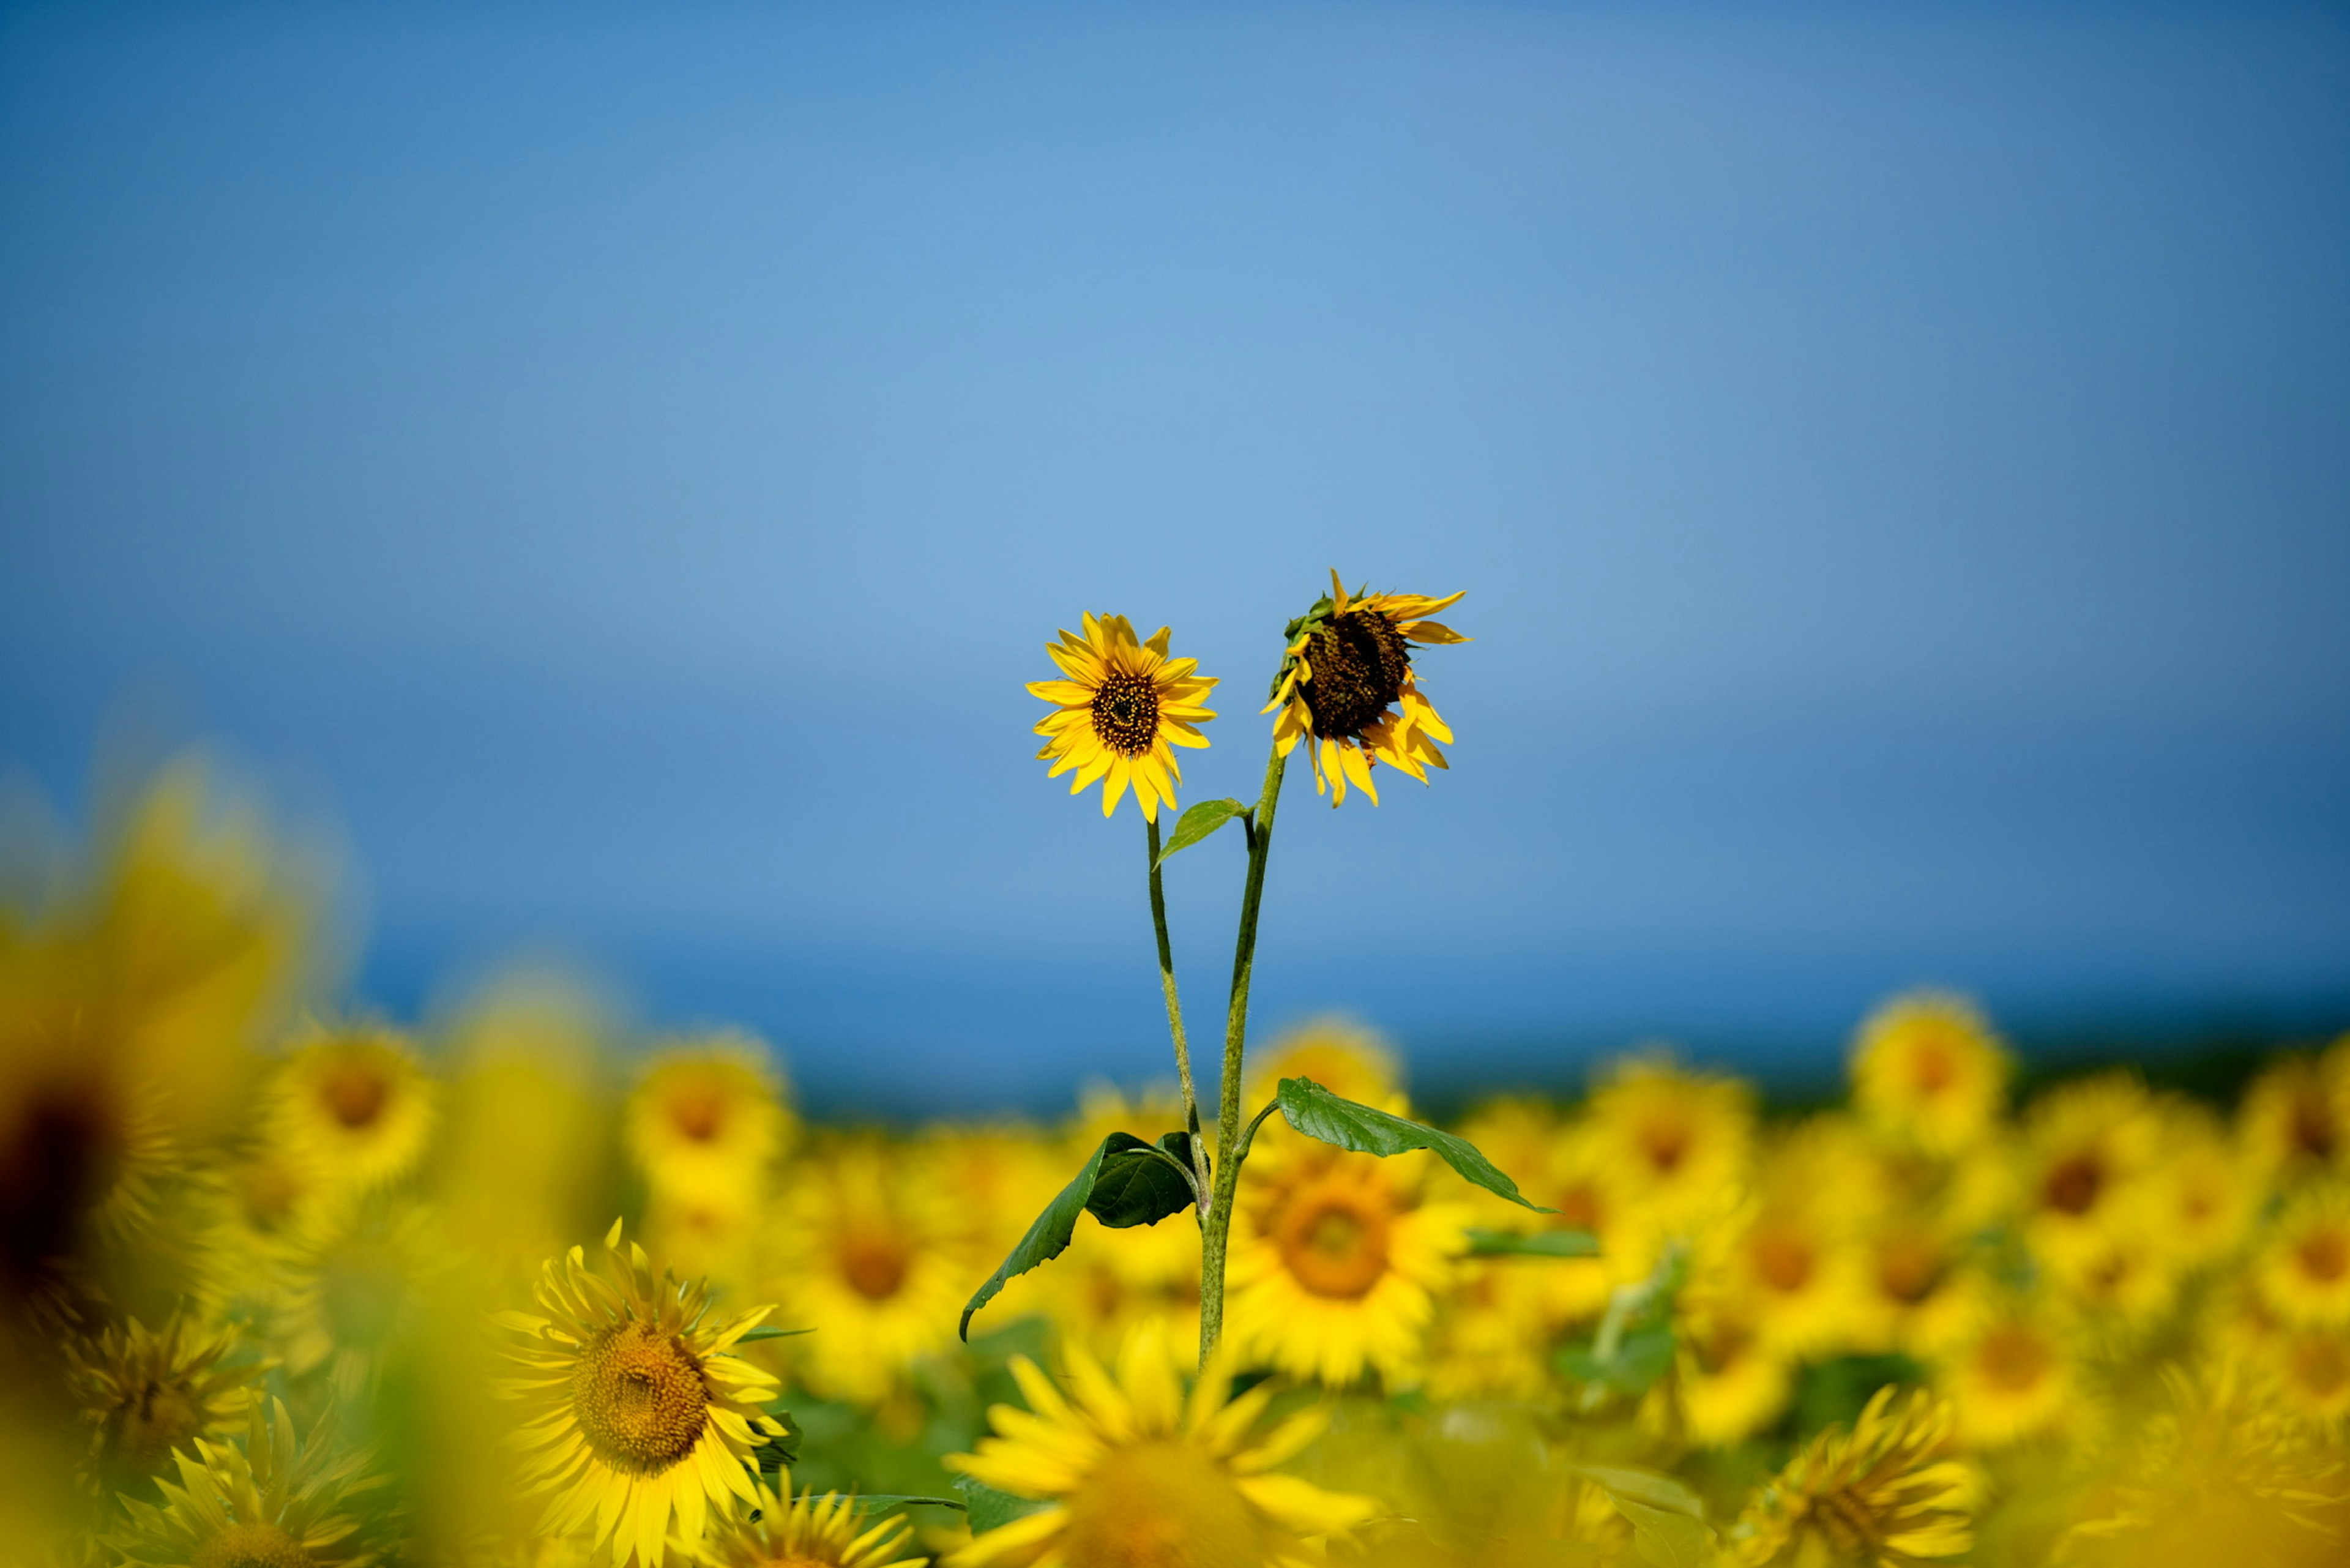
(1359, 661)
(1126, 713)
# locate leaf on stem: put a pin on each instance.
(1317, 1113)
(1125, 1182)
(769, 1330)
(1640, 1356)
(991, 1509)
(886, 1503)
(1198, 823)
(1541, 1245)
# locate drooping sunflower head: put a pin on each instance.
(707, 1121)
(1134, 1471)
(1346, 683)
(273, 1500)
(1119, 711)
(150, 1395)
(640, 1418)
(1928, 1068)
(353, 1108)
(805, 1530)
(1883, 1491)
(2302, 1265)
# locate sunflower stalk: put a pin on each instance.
(1215, 1230)
(1175, 1015)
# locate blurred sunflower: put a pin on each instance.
(860, 1254)
(2302, 1265)
(1884, 1493)
(1727, 1384)
(278, 1502)
(2203, 1196)
(1342, 1055)
(149, 1395)
(1927, 1067)
(705, 1123)
(805, 1531)
(637, 1411)
(348, 1286)
(1564, 1168)
(1488, 1341)
(1346, 681)
(1135, 1472)
(1336, 1260)
(2295, 1116)
(1682, 1140)
(1120, 711)
(2311, 1370)
(2088, 1148)
(2014, 1377)
(352, 1107)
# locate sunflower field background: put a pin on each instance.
(288, 1284)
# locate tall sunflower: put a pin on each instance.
(277, 1501)
(637, 1411)
(1884, 1493)
(1133, 1471)
(1347, 682)
(808, 1531)
(1121, 712)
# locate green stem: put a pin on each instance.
(1215, 1232)
(1175, 1019)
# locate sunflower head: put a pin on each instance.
(707, 1121)
(805, 1531)
(150, 1395)
(1928, 1068)
(353, 1109)
(2302, 1267)
(275, 1500)
(1884, 1491)
(1346, 683)
(1120, 709)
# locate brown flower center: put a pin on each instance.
(2073, 1185)
(1931, 1069)
(144, 1429)
(639, 1397)
(2320, 1365)
(874, 1265)
(1785, 1262)
(1334, 1243)
(1358, 664)
(1126, 712)
(2012, 1359)
(2312, 1127)
(2325, 1256)
(1907, 1269)
(697, 1114)
(354, 1093)
(252, 1546)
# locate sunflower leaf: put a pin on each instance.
(1654, 1488)
(887, 1502)
(769, 1330)
(1541, 1245)
(991, 1509)
(1666, 1538)
(1317, 1113)
(1125, 1183)
(1641, 1356)
(1199, 821)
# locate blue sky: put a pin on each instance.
(627, 464)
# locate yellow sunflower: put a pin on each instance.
(2204, 1196)
(1346, 681)
(1488, 1340)
(706, 1122)
(2296, 1117)
(1928, 1068)
(2302, 1265)
(1564, 1168)
(1337, 1261)
(150, 1395)
(1121, 712)
(1682, 1140)
(2309, 1369)
(805, 1531)
(1135, 1472)
(2087, 1150)
(638, 1414)
(2014, 1377)
(860, 1252)
(278, 1502)
(353, 1108)
(1726, 1383)
(1886, 1491)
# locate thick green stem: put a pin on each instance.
(1215, 1232)
(1175, 1019)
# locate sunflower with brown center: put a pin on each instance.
(1885, 1492)
(1119, 712)
(275, 1500)
(150, 1395)
(706, 1123)
(640, 1418)
(353, 1109)
(1346, 683)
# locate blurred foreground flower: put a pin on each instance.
(1885, 1492)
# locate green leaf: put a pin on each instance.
(883, 1502)
(769, 1330)
(779, 1445)
(1317, 1113)
(991, 1509)
(1653, 1488)
(1666, 1538)
(1644, 1355)
(1199, 822)
(1125, 1182)
(1541, 1245)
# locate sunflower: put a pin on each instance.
(1883, 1493)
(353, 1108)
(2303, 1266)
(1342, 1055)
(2012, 1377)
(636, 1408)
(1347, 681)
(1488, 1340)
(278, 1502)
(2296, 1117)
(862, 1254)
(2203, 1196)
(1928, 1068)
(1121, 711)
(2309, 1369)
(1133, 1471)
(1726, 1383)
(1336, 1263)
(350, 1280)
(1563, 1168)
(1682, 1140)
(706, 1122)
(805, 1531)
(2087, 1149)
(149, 1395)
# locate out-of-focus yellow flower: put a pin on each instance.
(1337, 1053)
(1793, 1258)
(2303, 1264)
(1727, 1384)
(149, 1395)
(1347, 684)
(2014, 1377)
(2203, 1194)
(2296, 1117)
(2087, 1149)
(1887, 1491)
(808, 1531)
(1119, 711)
(858, 1253)
(1488, 1340)
(707, 1121)
(1682, 1140)
(278, 1502)
(1134, 1471)
(1337, 1261)
(350, 1284)
(1927, 1067)
(1568, 1170)
(2311, 1372)
(353, 1109)
(637, 1412)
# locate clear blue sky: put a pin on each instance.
(1898, 458)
